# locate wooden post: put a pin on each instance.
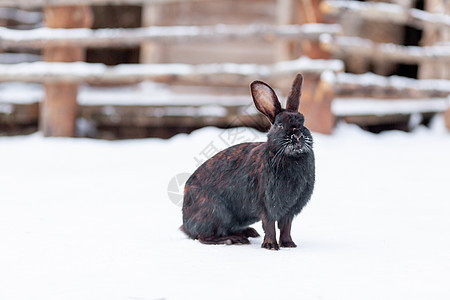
(447, 118)
(433, 34)
(59, 108)
(151, 52)
(284, 17)
(320, 117)
(309, 12)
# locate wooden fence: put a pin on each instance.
(68, 33)
(432, 56)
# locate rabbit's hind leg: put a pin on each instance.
(209, 220)
(237, 238)
(250, 232)
(234, 239)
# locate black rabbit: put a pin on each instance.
(270, 181)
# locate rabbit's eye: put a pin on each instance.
(280, 125)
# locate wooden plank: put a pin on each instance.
(132, 37)
(226, 74)
(252, 50)
(375, 86)
(59, 108)
(344, 107)
(158, 116)
(12, 16)
(41, 3)
(370, 120)
(12, 114)
(344, 46)
(385, 12)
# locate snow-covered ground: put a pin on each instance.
(88, 219)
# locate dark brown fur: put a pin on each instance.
(270, 181)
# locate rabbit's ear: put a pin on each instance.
(293, 101)
(265, 99)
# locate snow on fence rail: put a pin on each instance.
(344, 45)
(15, 58)
(40, 3)
(345, 107)
(368, 98)
(20, 16)
(385, 12)
(83, 37)
(230, 73)
(376, 86)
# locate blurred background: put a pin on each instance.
(115, 69)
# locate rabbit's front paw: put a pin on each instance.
(270, 245)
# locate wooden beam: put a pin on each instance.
(209, 74)
(59, 108)
(394, 87)
(385, 12)
(356, 46)
(42, 3)
(19, 16)
(132, 37)
(344, 107)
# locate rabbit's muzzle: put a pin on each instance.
(298, 145)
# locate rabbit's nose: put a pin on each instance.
(295, 136)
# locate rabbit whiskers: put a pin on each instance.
(276, 160)
(308, 144)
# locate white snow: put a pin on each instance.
(145, 94)
(21, 16)
(438, 17)
(40, 68)
(396, 82)
(21, 93)
(356, 45)
(6, 108)
(14, 58)
(398, 13)
(358, 6)
(88, 219)
(138, 35)
(380, 107)
(306, 64)
(78, 71)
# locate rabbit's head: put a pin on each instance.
(287, 136)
